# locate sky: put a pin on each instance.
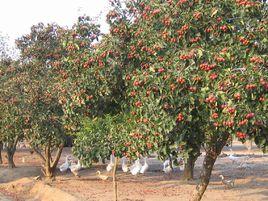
(17, 16)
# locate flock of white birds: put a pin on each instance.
(138, 168)
(70, 165)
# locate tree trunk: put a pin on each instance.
(48, 171)
(212, 152)
(51, 165)
(11, 149)
(188, 172)
(10, 155)
(114, 180)
(205, 176)
(1, 148)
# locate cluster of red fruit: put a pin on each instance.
(224, 28)
(241, 135)
(186, 56)
(180, 117)
(195, 40)
(220, 59)
(138, 104)
(136, 135)
(180, 80)
(244, 41)
(211, 99)
(250, 86)
(237, 96)
(88, 62)
(256, 59)
(215, 115)
(182, 30)
(207, 67)
(250, 115)
(245, 3)
(228, 123)
(213, 76)
(243, 122)
(161, 70)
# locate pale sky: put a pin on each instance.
(17, 16)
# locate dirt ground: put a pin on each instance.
(251, 184)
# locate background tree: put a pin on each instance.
(11, 101)
(12, 108)
(40, 50)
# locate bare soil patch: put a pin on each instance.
(251, 184)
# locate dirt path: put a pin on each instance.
(251, 184)
(4, 198)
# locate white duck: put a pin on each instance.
(124, 164)
(136, 167)
(111, 163)
(101, 176)
(65, 166)
(75, 168)
(237, 159)
(228, 183)
(145, 167)
(166, 166)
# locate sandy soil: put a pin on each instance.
(251, 184)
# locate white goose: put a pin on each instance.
(136, 167)
(124, 164)
(145, 167)
(75, 168)
(228, 183)
(65, 166)
(111, 163)
(237, 159)
(166, 167)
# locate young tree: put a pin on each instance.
(40, 50)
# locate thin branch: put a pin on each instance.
(39, 153)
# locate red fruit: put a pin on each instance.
(261, 99)
(250, 115)
(133, 93)
(180, 117)
(228, 123)
(128, 77)
(161, 70)
(215, 115)
(180, 80)
(250, 86)
(231, 110)
(216, 124)
(223, 28)
(241, 135)
(156, 11)
(192, 89)
(213, 76)
(136, 83)
(237, 96)
(211, 99)
(149, 145)
(133, 113)
(145, 120)
(172, 87)
(148, 92)
(243, 122)
(138, 104)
